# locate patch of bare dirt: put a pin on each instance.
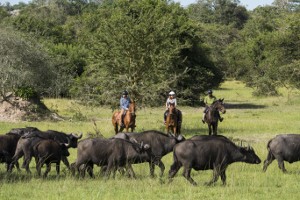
(14, 109)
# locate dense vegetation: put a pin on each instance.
(92, 50)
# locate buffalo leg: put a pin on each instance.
(58, 168)
(223, 176)
(48, 168)
(268, 161)
(90, 170)
(65, 161)
(216, 174)
(81, 170)
(281, 165)
(39, 165)
(174, 169)
(152, 167)
(187, 174)
(162, 167)
(130, 171)
(16, 157)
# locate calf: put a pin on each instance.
(47, 152)
(209, 152)
(284, 147)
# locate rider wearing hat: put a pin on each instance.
(171, 99)
(124, 105)
(209, 100)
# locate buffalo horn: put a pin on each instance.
(67, 144)
(76, 136)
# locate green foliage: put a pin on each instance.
(224, 12)
(99, 48)
(24, 63)
(26, 93)
(264, 53)
(147, 47)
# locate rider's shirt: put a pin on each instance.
(208, 100)
(171, 101)
(124, 103)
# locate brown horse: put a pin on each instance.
(173, 120)
(212, 116)
(129, 119)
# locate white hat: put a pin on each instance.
(172, 93)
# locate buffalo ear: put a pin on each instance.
(146, 146)
(133, 140)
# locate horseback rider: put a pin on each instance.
(172, 100)
(209, 100)
(124, 105)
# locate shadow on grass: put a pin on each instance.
(243, 106)
(16, 177)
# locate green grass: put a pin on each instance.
(254, 120)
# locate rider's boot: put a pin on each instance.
(221, 119)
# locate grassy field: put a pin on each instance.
(250, 119)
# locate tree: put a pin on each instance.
(24, 66)
(147, 47)
(268, 47)
(224, 12)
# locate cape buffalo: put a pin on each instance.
(27, 142)
(49, 151)
(209, 152)
(284, 147)
(8, 144)
(160, 144)
(111, 153)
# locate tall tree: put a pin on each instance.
(147, 47)
(24, 66)
(268, 47)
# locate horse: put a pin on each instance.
(129, 119)
(173, 120)
(212, 116)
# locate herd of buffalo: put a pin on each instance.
(201, 152)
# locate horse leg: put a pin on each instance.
(209, 129)
(175, 131)
(116, 128)
(215, 128)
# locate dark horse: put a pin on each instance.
(212, 116)
(129, 119)
(173, 120)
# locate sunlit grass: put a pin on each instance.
(254, 120)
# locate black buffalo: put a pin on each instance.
(284, 147)
(160, 144)
(8, 144)
(209, 152)
(109, 153)
(27, 142)
(49, 151)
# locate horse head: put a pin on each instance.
(132, 108)
(171, 108)
(219, 105)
